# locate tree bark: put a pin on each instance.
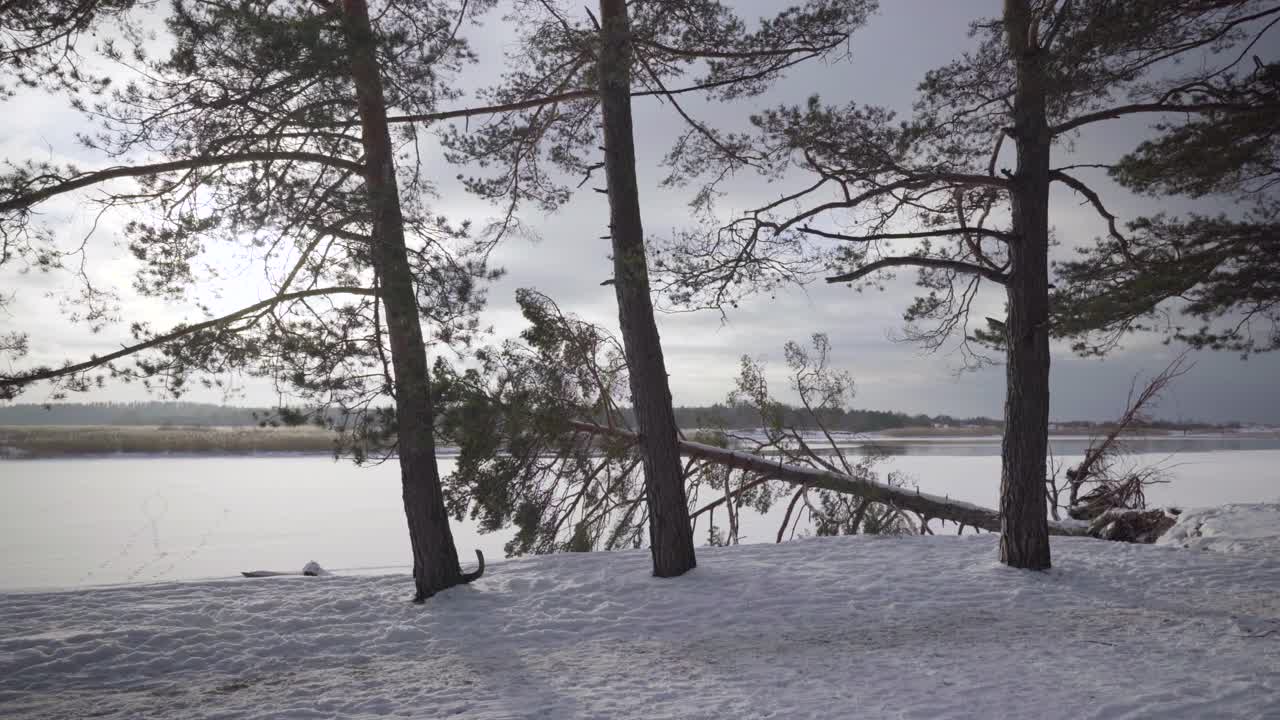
(435, 559)
(1024, 531)
(670, 534)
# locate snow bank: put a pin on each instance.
(1243, 528)
(836, 627)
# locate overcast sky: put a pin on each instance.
(888, 58)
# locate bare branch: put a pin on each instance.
(1096, 201)
(530, 103)
(1133, 412)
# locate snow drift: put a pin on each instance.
(1247, 527)
(836, 627)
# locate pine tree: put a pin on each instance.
(670, 536)
(265, 130)
(636, 49)
(927, 194)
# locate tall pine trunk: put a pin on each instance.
(1024, 530)
(435, 559)
(670, 536)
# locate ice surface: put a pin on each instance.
(82, 523)
(920, 627)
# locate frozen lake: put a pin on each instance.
(81, 522)
(1067, 445)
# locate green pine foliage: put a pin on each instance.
(1210, 281)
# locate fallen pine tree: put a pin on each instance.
(926, 505)
(545, 447)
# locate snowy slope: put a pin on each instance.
(836, 627)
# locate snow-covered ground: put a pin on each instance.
(920, 627)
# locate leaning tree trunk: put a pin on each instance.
(935, 507)
(670, 534)
(435, 559)
(1024, 531)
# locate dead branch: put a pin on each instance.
(1098, 450)
(1112, 489)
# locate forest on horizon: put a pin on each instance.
(734, 417)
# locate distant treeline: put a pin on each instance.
(134, 413)
(743, 417)
(190, 414)
(179, 414)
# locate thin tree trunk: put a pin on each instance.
(435, 559)
(670, 535)
(1024, 531)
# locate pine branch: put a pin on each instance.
(911, 182)
(26, 200)
(945, 232)
(709, 53)
(534, 102)
(16, 381)
(1140, 108)
(926, 262)
(527, 104)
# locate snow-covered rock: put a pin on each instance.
(853, 627)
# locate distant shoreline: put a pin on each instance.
(53, 441)
(35, 442)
